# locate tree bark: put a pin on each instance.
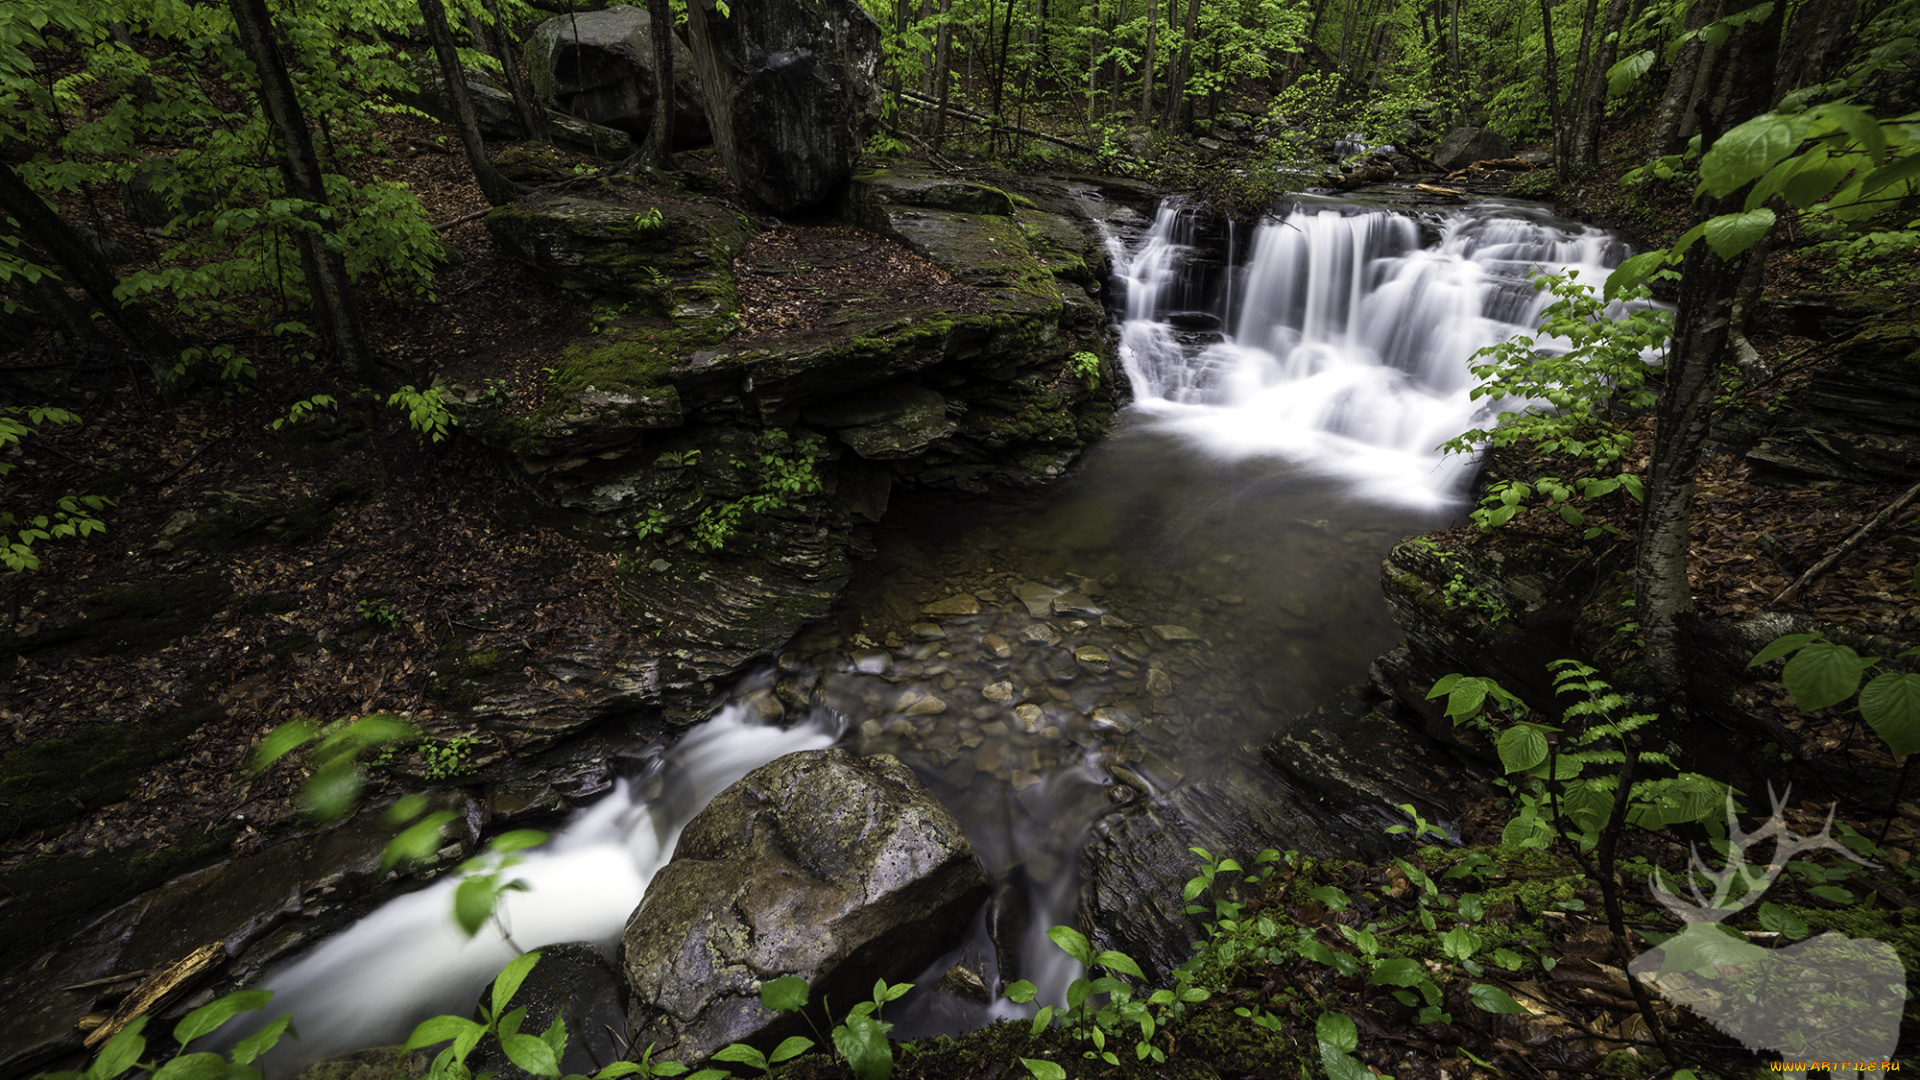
(530, 116)
(942, 65)
(1182, 67)
(1562, 168)
(1663, 599)
(1593, 101)
(1813, 45)
(1146, 76)
(1675, 102)
(326, 270)
(1569, 107)
(494, 186)
(658, 151)
(41, 226)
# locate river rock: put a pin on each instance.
(379, 1063)
(493, 107)
(822, 865)
(790, 90)
(598, 66)
(1466, 145)
(576, 982)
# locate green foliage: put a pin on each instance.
(301, 410)
(650, 222)
(652, 523)
(860, 1039)
(72, 516)
(333, 788)
(127, 1049)
(379, 612)
(1567, 401)
(1420, 827)
(1822, 674)
(1564, 779)
(1086, 365)
(426, 410)
(782, 478)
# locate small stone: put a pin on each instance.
(1074, 603)
(964, 983)
(1115, 622)
(1030, 717)
(1159, 683)
(870, 729)
(1111, 719)
(659, 566)
(1023, 780)
(1133, 651)
(1292, 605)
(997, 728)
(999, 691)
(1037, 597)
(1058, 694)
(927, 706)
(1093, 658)
(1051, 732)
(957, 604)
(1231, 598)
(872, 662)
(948, 682)
(899, 727)
(927, 631)
(972, 739)
(1171, 632)
(1041, 633)
(997, 645)
(790, 663)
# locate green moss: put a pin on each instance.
(54, 781)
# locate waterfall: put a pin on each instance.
(1348, 351)
(408, 960)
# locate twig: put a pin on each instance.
(108, 980)
(195, 456)
(1886, 514)
(463, 219)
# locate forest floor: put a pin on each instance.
(415, 546)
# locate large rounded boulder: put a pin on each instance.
(598, 66)
(791, 93)
(834, 868)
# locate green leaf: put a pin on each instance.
(1781, 646)
(1705, 946)
(784, 994)
(1622, 76)
(1745, 153)
(1488, 998)
(882, 993)
(418, 841)
(1466, 699)
(1121, 962)
(507, 983)
(194, 1067)
(250, 1048)
(1890, 703)
(1341, 1066)
(1021, 992)
(1460, 943)
(1521, 747)
(1631, 274)
(1041, 1069)
(333, 790)
(1823, 674)
(1731, 234)
(282, 741)
(790, 1047)
(517, 840)
(1781, 921)
(862, 1041)
(1073, 943)
(1832, 894)
(532, 1054)
(742, 1053)
(473, 902)
(1399, 971)
(120, 1052)
(1338, 1031)
(207, 1017)
(439, 1029)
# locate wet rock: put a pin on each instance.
(928, 631)
(494, 108)
(1171, 633)
(1159, 683)
(1038, 598)
(957, 604)
(1074, 603)
(1093, 658)
(379, 1063)
(598, 66)
(833, 868)
(1465, 145)
(964, 982)
(605, 143)
(790, 91)
(997, 692)
(872, 662)
(1031, 717)
(926, 706)
(578, 983)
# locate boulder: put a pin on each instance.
(603, 142)
(492, 106)
(576, 982)
(790, 89)
(897, 420)
(1465, 145)
(822, 865)
(598, 66)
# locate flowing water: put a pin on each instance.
(1210, 570)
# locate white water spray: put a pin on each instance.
(1349, 349)
(408, 961)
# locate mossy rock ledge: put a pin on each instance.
(665, 408)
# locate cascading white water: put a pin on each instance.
(1349, 349)
(408, 961)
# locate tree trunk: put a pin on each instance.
(42, 227)
(494, 186)
(1677, 101)
(942, 73)
(1183, 67)
(325, 268)
(1813, 45)
(1709, 284)
(1459, 72)
(1593, 100)
(1006, 39)
(1146, 76)
(1569, 107)
(1561, 168)
(530, 116)
(658, 152)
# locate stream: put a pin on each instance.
(1209, 571)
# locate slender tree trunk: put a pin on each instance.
(942, 73)
(658, 152)
(1093, 60)
(300, 170)
(1701, 343)
(1183, 67)
(1813, 44)
(1459, 71)
(42, 227)
(1569, 107)
(494, 186)
(1561, 168)
(1676, 102)
(1593, 103)
(1006, 39)
(1146, 75)
(530, 115)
